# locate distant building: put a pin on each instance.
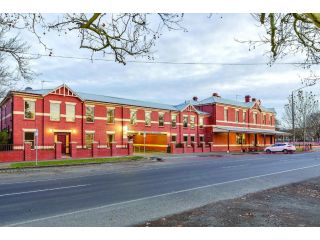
(64, 115)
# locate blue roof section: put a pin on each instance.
(102, 98)
(211, 100)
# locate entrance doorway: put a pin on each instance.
(64, 138)
(150, 142)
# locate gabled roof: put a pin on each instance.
(181, 107)
(213, 99)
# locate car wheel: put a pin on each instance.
(285, 151)
(268, 151)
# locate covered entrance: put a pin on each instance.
(243, 139)
(149, 142)
(64, 138)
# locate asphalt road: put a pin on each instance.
(129, 196)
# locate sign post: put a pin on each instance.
(36, 135)
(144, 142)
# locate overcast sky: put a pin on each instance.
(207, 40)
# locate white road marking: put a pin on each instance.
(156, 196)
(236, 166)
(156, 168)
(44, 190)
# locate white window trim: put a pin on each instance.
(29, 129)
(30, 99)
(55, 102)
(24, 108)
(90, 131)
(145, 121)
(87, 105)
(114, 115)
(71, 103)
(136, 118)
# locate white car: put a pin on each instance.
(281, 147)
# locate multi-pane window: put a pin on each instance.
(201, 138)
(90, 113)
(201, 122)
(54, 111)
(225, 113)
(133, 117)
(70, 112)
(110, 115)
(244, 116)
(270, 120)
(173, 138)
(264, 119)
(192, 119)
(173, 121)
(29, 109)
(89, 139)
(185, 121)
(110, 139)
(185, 138)
(29, 137)
(161, 119)
(192, 138)
(240, 138)
(147, 117)
(255, 118)
(237, 116)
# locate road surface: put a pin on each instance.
(129, 196)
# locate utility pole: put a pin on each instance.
(292, 112)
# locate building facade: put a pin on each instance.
(63, 115)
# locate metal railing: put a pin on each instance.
(6, 147)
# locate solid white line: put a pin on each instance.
(44, 190)
(159, 195)
(236, 166)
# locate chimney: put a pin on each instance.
(254, 99)
(247, 98)
(195, 98)
(215, 94)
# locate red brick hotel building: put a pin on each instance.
(80, 125)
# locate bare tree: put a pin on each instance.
(117, 35)
(14, 64)
(305, 104)
(313, 126)
(291, 34)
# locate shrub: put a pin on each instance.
(4, 137)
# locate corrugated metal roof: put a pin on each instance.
(247, 130)
(211, 100)
(108, 99)
(116, 100)
(179, 107)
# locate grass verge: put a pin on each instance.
(74, 162)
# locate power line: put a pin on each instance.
(172, 62)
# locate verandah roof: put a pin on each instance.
(248, 130)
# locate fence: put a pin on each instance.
(6, 147)
(25, 153)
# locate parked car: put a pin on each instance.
(280, 147)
